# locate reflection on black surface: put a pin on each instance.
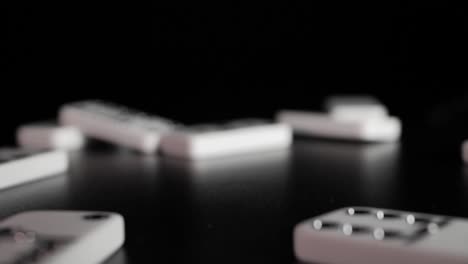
(464, 186)
(237, 193)
(115, 179)
(119, 176)
(252, 174)
(244, 207)
(120, 257)
(379, 173)
(332, 174)
(246, 163)
(50, 193)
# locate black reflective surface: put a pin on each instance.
(242, 209)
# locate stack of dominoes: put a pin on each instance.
(357, 118)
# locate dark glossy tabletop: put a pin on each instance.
(242, 209)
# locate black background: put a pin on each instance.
(197, 62)
(202, 62)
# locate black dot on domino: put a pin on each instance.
(353, 211)
(319, 224)
(412, 219)
(5, 231)
(381, 215)
(95, 217)
(349, 229)
(382, 234)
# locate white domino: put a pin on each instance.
(116, 124)
(323, 125)
(370, 235)
(59, 237)
(355, 107)
(19, 166)
(49, 136)
(237, 137)
(465, 151)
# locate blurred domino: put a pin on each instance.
(238, 137)
(465, 151)
(322, 125)
(18, 166)
(58, 237)
(371, 235)
(355, 107)
(49, 136)
(116, 124)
